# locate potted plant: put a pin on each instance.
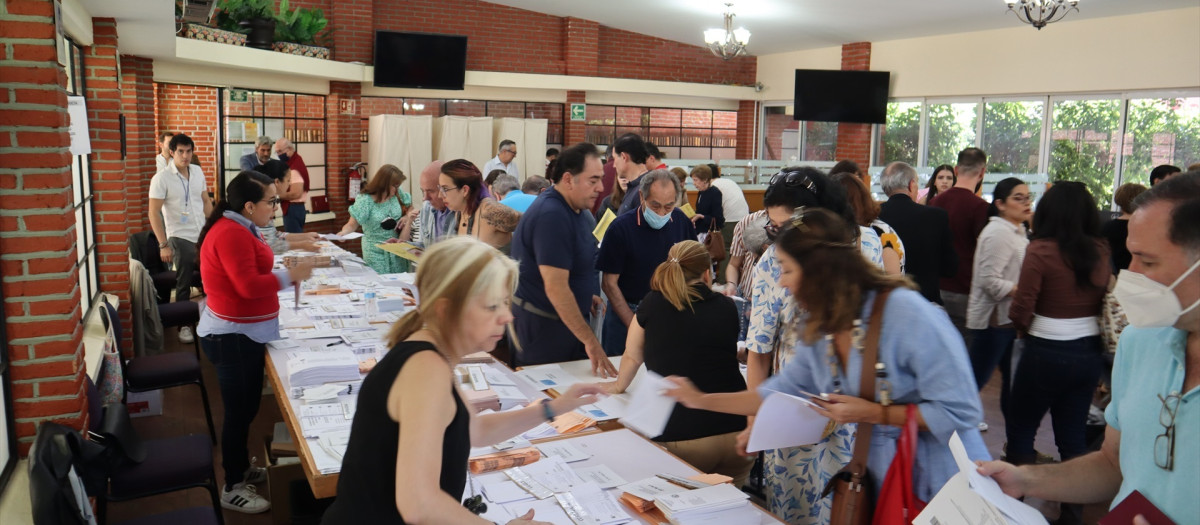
(299, 31)
(255, 17)
(203, 32)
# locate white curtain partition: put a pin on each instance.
(405, 141)
(463, 138)
(530, 136)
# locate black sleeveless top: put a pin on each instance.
(367, 485)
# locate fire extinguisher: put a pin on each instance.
(355, 175)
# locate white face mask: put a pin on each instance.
(1148, 303)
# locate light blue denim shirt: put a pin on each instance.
(1150, 363)
(927, 365)
(260, 332)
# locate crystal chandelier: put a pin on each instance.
(729, 42)
(1038, 13)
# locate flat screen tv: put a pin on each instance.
(841, 96)
(420, 60)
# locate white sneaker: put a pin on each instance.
(185, 335)
(244, 498)
(983, 426)
(255, 474)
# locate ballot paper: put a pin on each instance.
(563, 450)
(960, 506)
(547, 376)
(497, 377)
(681, 507)
(505, 492)
(543, 430)
(606, 409)
(553, 473)
(315, 420)
(785, 421)
(315, 368)
(651, 489)
(957, 503)
(649, 410)
(347, 237)
(601, 475)
(334, 442)
(599, 507)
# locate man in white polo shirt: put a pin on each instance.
(179, 205)
(505, 159)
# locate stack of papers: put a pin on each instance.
(971, 497)
(316, 368)
(649, 410)
(716, 504)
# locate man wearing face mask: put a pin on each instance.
(294, 210)
(1154, 417)
(635, 244)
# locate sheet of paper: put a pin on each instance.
(601, 507)
(563, 450)
(716, 497)
(403, 250)
(505, 492)
(553, 473)
(315, 420)
(547, 376)
(1011, 507)
(546, 510)
(785, 421)
(602, 226)
(650, 488)
(606, 409)
(335, 237)
(957, 503)
(601, 475)
(648, 409)
(497, 377)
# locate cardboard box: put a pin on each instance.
(142, 404)
(279, 478)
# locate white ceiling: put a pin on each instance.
(789, 25)
(146, 27)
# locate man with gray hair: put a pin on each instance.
(260, 155)
(924, 230)
(294, 210)
(634, 245)
(505, 159)
(520, 199)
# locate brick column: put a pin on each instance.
(581, 46)
(37, 226)
(141, 136)
(854, 140)
(574, 132)
(747, 123)
(344, 145)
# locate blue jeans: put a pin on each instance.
(1059, 376)
(991, 347)
(240, 362)
(615, 331)
(293, 220)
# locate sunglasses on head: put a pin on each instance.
(794, 178)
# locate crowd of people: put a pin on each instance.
(940, 285)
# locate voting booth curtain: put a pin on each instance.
(405, 141)
(464, 138)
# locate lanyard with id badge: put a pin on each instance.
(186, 212)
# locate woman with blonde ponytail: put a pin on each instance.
(683, 328)
(407, 457)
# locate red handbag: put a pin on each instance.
(897, 504)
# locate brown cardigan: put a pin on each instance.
(1047, 286)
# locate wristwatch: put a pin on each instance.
(546, 411)
(162, 245)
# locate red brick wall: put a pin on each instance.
(746, 120)
(854, 140)
(191, 110)
(581, 41)
(624, 54)
(141, 135)
(37, 226)
(344, 146)
(353, 34)
(575, 130)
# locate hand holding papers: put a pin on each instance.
(785, 421)
(972, 498)
(347, 237)
(649, 409)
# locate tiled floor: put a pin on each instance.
(183, 413)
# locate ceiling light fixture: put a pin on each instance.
(1038, 13)
(727, 43)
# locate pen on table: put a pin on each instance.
(297, 307)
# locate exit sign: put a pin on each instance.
(238, 95)
(578, 111)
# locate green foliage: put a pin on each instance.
(1012, 136)
(233, 12)
(902, 136)
(302, 25)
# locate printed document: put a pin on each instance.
(649, 410)
(785, 421)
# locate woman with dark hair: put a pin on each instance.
(240, 317)
(381, 216)
(942, 179)
(847, 166)
(684, 328)
(709, 213)
(998, 255)
(866, 214)
(612, 201)
(283, 241)
(921, 362)
(1063, 280)
(479, 215)
(1117, 230)
(798, 474)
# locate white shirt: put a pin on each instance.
(998, 257)
(733, 201)
(183, 200)
(495, 164)
(160, 162)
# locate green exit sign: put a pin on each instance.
(238, 95)
(578, 111)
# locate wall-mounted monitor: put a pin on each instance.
(827, 95)
(420, 60)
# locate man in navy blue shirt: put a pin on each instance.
(629, 159)
(555, 250)
(634, 245)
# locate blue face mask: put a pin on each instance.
(283, 157)
(655, 220)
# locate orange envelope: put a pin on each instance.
(503, 460)
(572, 422)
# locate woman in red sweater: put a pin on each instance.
(241, 316)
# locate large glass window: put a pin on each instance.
(678, 133)
(1083, 147)
(790, 140)
(902, 134)
(1160, 131)
(951, 128)
(81, 185)
(1012, 135)
(300, 118)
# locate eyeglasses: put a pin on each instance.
(1164, 444)
(446, 190)
(273, 201)
(510, 151)
(1020, 198)
(794, 178)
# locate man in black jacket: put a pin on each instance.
(924, 230)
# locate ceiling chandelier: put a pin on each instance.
(1038, 13)
(727, 43)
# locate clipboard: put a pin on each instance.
(404, 250)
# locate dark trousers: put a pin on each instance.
(991, 347)
(240, 363)
(615, 331)
(540, 340)
(186, 262)
(1059, 376)
(293, 219)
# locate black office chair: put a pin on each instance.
(143, 246)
